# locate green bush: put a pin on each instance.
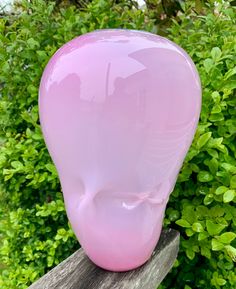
(34, 232)
(203, 202)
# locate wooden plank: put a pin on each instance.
(78, 272)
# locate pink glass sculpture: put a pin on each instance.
(118, 110)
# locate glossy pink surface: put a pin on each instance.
(118, 110)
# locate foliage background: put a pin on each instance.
(34, 232)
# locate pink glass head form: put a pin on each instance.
(118, 110)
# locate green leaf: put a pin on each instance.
(216, 96)
(197, 227)
(36, 136)
(51, 168)
(208, 64)
(227, 237)
(183, 223)
(32, 43)
(83, 30)
(216, 245)
(208, 199)
(217, 211)
(213, 153)
(221, 281)
(204, 176)
(190, 253)
(221, 190)
(50, 261)
(212, 164)
(228, 196)
(42, 55)
(216, 53)
(230, 85)
(229, 168)
(230, 73)
(17, 165)
(214, 228)
(231, 252)
(203, 139)
(205, 251)
(216, 143)
(216, 109)
(202, 236)
(215, 117)
(189, 232)
(233, 182)
(173, 215)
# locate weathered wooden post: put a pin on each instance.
(78, 272)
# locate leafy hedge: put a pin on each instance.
(34, 232)
(203, 202)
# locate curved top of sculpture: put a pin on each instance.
(118, 110)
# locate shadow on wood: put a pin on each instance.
(78, 272)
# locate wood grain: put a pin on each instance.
(78, 272)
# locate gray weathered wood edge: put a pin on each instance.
(78, 272)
